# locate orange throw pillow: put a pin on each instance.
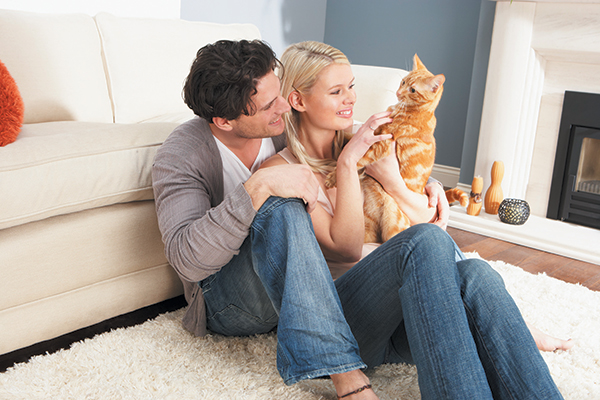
(11, 107)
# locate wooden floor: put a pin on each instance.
(534, 261)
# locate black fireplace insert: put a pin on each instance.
(575, 190)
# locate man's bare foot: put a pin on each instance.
(349, 382)
(546, 342)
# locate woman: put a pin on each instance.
(409, 300)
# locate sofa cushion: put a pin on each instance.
(60, 167)
(56, 60)
(148, 60)
(373, 89)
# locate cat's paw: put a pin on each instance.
(331, 180)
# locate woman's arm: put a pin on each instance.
(416, 206)
(342, 236)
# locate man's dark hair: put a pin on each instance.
(223, 78)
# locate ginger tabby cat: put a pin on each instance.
(412, 129)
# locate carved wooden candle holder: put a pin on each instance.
(475, 200)
(494, 195)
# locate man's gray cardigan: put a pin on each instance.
(201, 228)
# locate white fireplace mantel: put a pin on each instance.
(539, 49)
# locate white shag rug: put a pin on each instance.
(160, 360)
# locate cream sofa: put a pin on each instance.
(79, 241)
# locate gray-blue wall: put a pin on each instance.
(443, 33)
(480, 66)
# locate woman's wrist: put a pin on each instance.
(346, 164)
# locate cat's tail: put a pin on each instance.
(455, 194)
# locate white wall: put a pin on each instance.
(281, 22)
(121, 8)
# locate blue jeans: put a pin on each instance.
(280, 278)
(416, 300)
(409, 301)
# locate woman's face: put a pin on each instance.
(330, 102)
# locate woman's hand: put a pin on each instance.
(437, 198)
(365, 138)
(417, 206)
(386, 171)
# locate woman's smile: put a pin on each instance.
(347, 113)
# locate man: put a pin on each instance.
(240, 238)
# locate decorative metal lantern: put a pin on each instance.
(513, 211)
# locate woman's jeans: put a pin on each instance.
(409, 301)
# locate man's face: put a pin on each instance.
(270, 106)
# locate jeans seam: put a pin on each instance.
(248, 314)
(484, 347)
(270, 262)
(436, 362)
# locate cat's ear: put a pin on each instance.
(296, 101)
(437, 82)
(417, 64)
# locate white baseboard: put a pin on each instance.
(562, 238)
(447, 175)
(464, 187)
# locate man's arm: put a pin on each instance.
(199, 239)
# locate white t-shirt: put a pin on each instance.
(234, 170)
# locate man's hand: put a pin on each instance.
(437, 198)
(289, 180)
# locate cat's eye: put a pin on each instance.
(403, 82)
(412, 89)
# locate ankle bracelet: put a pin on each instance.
(356, 391)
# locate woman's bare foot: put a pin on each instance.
(349, 382)
(546, 342)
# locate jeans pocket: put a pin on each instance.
(205, 284)
(233, 321)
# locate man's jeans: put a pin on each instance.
(281, 272)
(409, 301)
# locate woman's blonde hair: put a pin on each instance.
(302, 62)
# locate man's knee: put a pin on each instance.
(282, 205)
(282, 212)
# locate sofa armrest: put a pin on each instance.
(375, 89)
